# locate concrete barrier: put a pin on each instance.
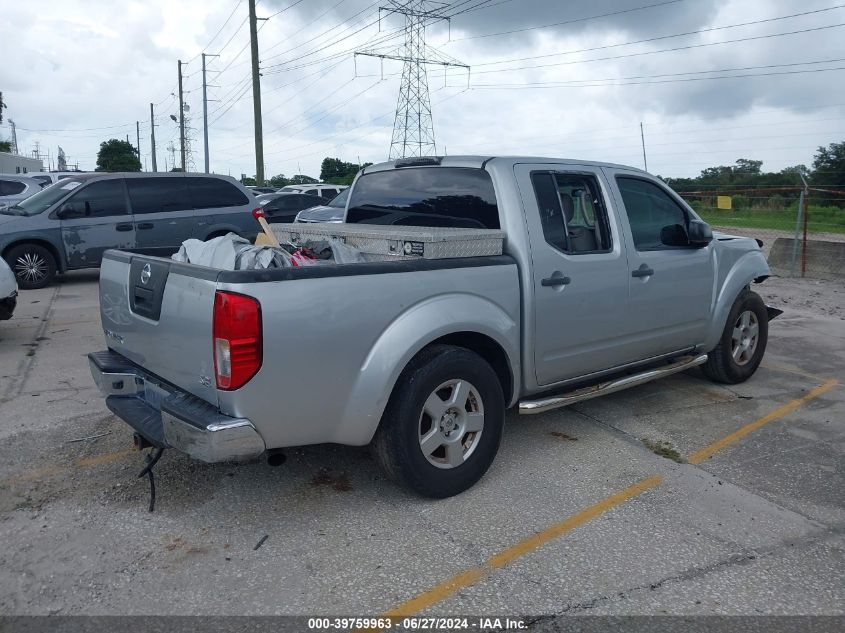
(825, 260)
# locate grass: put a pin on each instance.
(664, 449)
(819, 219)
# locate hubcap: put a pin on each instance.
(451, 423)
(31, 267)
(744, 338)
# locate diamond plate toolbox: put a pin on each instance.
(387, 242)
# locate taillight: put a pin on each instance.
(237, 339)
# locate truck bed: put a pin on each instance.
(332, 334)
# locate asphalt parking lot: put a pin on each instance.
(577, 514)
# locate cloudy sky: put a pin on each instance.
(711, 80)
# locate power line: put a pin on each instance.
(574, 21)
(659, 38)
(665, 50)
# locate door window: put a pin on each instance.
(650, 209)
(572, 212)
(158, 195)
(312, 192)
(99, 200)
(209, 193)
(328, 193)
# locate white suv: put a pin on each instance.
(8, 291)
(323, 190)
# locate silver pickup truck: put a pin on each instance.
(607, 280)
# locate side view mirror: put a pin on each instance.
(700, 233)
(67, 211)
(674, 235)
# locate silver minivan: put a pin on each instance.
(69, 225)
(14, 188)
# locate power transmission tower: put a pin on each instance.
(205, 109)
(256, 95)
(413, 128)
(181, 117)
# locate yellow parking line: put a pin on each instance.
(700, 455)
(464, 579)
(448, 587)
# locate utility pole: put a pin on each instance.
(153, 137)
(256, 96)
(642, 138)
(205, 109)
(138, 139)
(14, 137)
(181, 118)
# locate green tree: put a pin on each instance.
(279, 181)
(5, 146)
(117, 155)
(248, 181)
(339, 172)
(829, 166)
(302, 179)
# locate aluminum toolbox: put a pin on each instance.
(385, 242)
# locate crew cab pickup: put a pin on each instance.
(607, 279)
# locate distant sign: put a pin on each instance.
(723, 202)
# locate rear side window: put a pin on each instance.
(328, 193)
(572, 212)
(158, 195)
(649, 210)
(208, 193)
(458, 197)
(99, 200)
(11, 187)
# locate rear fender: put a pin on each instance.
(410, 332)
(748, 267)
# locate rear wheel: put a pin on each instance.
(34, 265)
(743, 341)
(442, 426)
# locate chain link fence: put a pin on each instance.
(802, 230)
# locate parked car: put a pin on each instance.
(15, 188)
(331, 212)
(71, 224)
(283, 207)
(8, 291)
(258, 190)
(323, 190)
(608, 279)
(47, 178)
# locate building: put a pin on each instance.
(17, 164)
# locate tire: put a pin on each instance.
(34, 266)
(459, 387)
(743, 341)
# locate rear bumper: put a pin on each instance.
(168, 417)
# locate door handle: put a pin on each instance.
(123, 227)
(145, 225)
(642, 271)
(555, 281)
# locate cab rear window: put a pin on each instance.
(459, 197)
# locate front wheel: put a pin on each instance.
(743, 341)
(34, 266)
(442, 426)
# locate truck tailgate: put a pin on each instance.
(158, 314)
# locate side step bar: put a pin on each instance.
(529, 407)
